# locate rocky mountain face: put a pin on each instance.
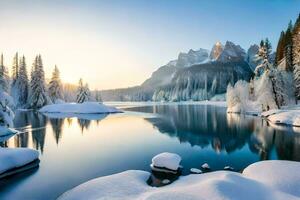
(203, 81)
(216, 51)
(192, 57)
(209, 73)
(251, 56)
(231, 53)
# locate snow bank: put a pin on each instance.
(166, 160)
(4, 131)
(276, 180)
(284, 117)
(79, 108)
(11, 158)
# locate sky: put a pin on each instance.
(119, 43)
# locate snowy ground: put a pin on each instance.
(289, 116)
(76, 108)
(11, 158)
(276, 180)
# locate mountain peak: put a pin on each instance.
(232, 52)
(216, 50)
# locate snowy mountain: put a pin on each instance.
(251, 56)
(203, 81)
(231, 52)
(221, 65)
(192, 57)
(216, 51)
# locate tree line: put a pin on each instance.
(32, 91)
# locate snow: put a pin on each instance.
(79, 108)
(262, 181)
(205, 166)
(4, 131)
(195, 171)
(166, 160)
(285, 117)
(11, 158)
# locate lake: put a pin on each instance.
(74, 150)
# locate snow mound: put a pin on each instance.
(11, 158)
(166, 160)
(263, 181)
(77, 108)
(291, 118)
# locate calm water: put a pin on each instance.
(74, 151)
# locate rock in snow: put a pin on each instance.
(262, 180)
(79, 108)
(166, 160)
(205, 166)
(11, 158)
(195, 171)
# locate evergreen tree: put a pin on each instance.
(263, 56)
(55, 87)
(15, 72)
(289, 47)
(22, 84)
(98, 96)
(280, 49)
(296, 42)
(296, 57)
(38, 94)
(4, 78)
(15, 68)
(83, 92)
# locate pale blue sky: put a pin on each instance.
(96, 40)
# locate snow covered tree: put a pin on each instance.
(15, 73)
(15, 68)
(296, 42)
(4, 78)
(98, 96)
(289, 47)
(6, 107)
(38, 94)
(83, 92)
(55, 87)
(264, 57)
(22, 84)
(280, 49)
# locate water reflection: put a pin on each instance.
(205, 126)
(32, 126)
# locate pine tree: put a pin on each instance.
(296, 42)
(280, 49)
(22, 84)
(263, 56)
(15, 68)
(289, 47)
(83, 92)
(55, 87)
(38, 95)
(4, 78)
(15, 73)
(98, 96)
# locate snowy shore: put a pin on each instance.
(277, 180)
(15, 158)
(79, 108)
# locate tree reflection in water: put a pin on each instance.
(201, 125)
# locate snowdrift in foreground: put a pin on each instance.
(11, 158)
(277, 180)
(79, 108)
(283, 117)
